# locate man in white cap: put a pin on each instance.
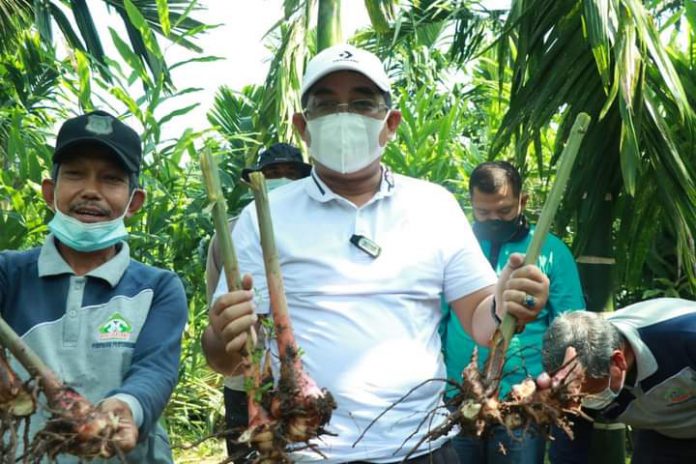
(365, 255)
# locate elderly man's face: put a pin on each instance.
(92, 186)
(573, 374)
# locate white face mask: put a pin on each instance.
(345, 142)
(604, 398)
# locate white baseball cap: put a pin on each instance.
(345, 58)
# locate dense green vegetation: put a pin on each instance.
(472, 85)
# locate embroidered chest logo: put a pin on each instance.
(678, 395)
(115, 328)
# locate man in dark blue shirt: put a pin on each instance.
(109, 327)
(636, 366)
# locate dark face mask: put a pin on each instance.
(500, 231)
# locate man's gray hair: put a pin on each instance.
(592, 336)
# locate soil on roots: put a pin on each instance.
(297, 413)
(75, 427)
(476, 408)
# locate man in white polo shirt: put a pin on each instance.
(365, 255)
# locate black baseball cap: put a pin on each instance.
(105, 129)
(279, 153)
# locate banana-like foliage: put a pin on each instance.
(428, 41)
(610, 58)
(29, 102)
(169, 18)
(15, 15)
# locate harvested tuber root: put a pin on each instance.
(297, 412)
(293, 412)
(297, 409)
(16, 399)
(75, 426)
(17, 403)
(298, 401)
(476, 408)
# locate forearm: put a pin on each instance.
(217, 357)
(154, 366)
(474, 313)
(484, 324)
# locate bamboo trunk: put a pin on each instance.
(596, 267)
(329, 24)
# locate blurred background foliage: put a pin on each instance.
(472, 85)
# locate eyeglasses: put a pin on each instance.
(364, 107)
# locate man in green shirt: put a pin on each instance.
(502, 229)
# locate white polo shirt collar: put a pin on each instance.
(319, 191)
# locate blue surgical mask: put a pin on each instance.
(87, 237)
(601, 400)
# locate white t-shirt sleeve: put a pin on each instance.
(247, 245)
(466, 268)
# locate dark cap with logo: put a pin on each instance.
(279, 153)
(102, 128)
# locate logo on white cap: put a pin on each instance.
(345, 58)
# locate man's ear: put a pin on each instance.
(619, 359)
(48, 189)
(137, 202)
(523, 201)
(392, 123)
(300, 124)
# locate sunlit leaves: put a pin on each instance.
(149, 49)
(620, 71)
(163, 13)
(600, 22)
(85, 88)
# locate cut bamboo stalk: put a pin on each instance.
(28, 358)
(250, 369)
(274, 278)
(503, 334)
(310, 405)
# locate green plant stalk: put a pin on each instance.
(232, 275)
(219, 212)
(329, 24)
(29, 359)
(274, 278)
(503, 334)
(307, 407)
